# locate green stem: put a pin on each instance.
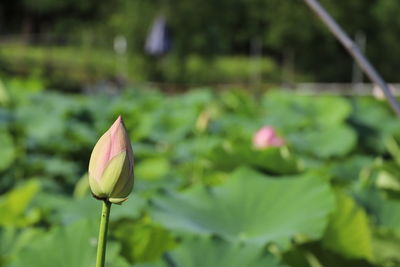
(102, 242)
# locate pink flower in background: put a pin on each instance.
(267, 137)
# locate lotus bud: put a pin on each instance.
(377, 91)
(266, 137)
(111, 165)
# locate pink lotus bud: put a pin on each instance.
(111, 165)
(267, 137)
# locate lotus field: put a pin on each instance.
(222, 179)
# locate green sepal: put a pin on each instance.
(112, 173)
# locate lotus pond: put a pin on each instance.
(204, 196)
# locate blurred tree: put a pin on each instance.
(385, 50)
(40, 20)
(207, 28)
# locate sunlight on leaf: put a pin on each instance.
(348, 231)
(250, 207)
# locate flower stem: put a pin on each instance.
(102, 241)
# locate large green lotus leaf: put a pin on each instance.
(193, 148)
(373, 121)
(196, 98)
(318, 255)
(250, 207)
(229, 155)
(81, 134)
(4, 95)
(138, 118)
(145, 150)
(386, 247)
(15, 204)
(7, 151)
(389, 216)
(172, 126)
(325, 142)
(296, 257)
(292, 112)
(285, 112)
(198, 252)
(348, 232)
(388, 177)
(238, 101)
(142, 241)
(152, 168)
(152, 264)
(231, 127)
(393, 147)
(348, 169)
(39, 126)
(376, 115)
(19, 88)
(67, 211)
(172, 121)
(388, 180)
(53, 166)
(71, 246)
(12, 240)
(331, 110)
(276, 160)
(205, 251)
(386, 210)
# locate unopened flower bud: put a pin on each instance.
(111, 165)
(266, 137)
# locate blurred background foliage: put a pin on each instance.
(43, 37)
(204, 196)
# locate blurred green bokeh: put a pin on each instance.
(203, 195)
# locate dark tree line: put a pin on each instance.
(208, 28)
